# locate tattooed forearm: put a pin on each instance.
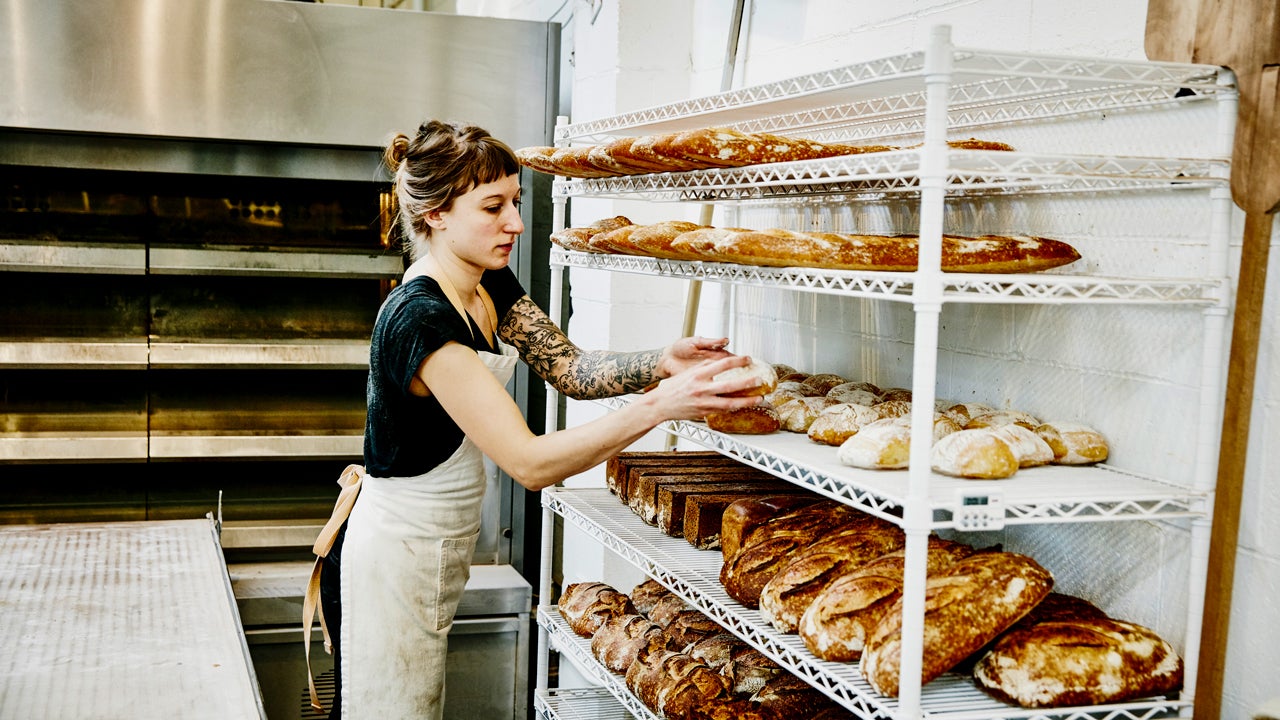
(579, 374)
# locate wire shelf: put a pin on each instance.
(987, 87)
(1037, 495)
(1040, 288)
(579, 704)
(694, 575)
(578, 649)
(896, 172)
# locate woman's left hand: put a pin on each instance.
(687, 352)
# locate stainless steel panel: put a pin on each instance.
(272, 263)
(44, 257)
(310, 354)
(266, 71)
(82, 354)
(67, 447)
(294, 447)
(121, 620)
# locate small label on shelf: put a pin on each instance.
(978, 511)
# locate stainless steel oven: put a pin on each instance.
(192, 253)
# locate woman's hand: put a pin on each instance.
(693, 393)
(689, 352)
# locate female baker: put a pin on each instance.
(444, 345)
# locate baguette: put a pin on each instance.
(579, 238)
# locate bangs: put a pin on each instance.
(489, 160)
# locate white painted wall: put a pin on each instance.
(631, 54)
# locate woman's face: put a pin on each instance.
(481, 226)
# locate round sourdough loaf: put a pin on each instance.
(976, 454)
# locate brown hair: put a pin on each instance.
(430, 170)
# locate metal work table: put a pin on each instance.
(120, 620)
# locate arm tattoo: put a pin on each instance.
(578, 373)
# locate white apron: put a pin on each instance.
(405, 561)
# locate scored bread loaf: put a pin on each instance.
(839, 422)
(788, 593)
(853, 392)
(736, 708)
(716, 650)
(749, 670)
(667, 607)
(685, 684)
(790, 697)
(587, 605)
(1091, 661)
(576, 162)
(997, 418)
(768, 548)
(837, 623)
(966, 605)
(690, 626)
(621, 638)
(579, 238)
(1073, 443)
(643, 150)
(979, 454)
(741, 517)
(647, 673)
(646, 594)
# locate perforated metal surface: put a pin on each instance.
(579, 704)
(694, 575)
(120, 620)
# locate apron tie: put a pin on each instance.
(350, 483)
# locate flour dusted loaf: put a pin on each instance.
(756, 370)
(839, 422)
(1091, 661)
(587, 605)
(966, 605)
(798, 414)
(788, 593)
(1029, 448)
(1073, 443)
(622, 638)
(843, 615)
(979, 454)
(881, 445)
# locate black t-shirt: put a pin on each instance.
(405, 434)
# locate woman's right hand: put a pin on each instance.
(693, 393)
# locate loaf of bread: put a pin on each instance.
(789, 592)
(716, 650)
(967, 604)
(743, 516)
(1029, 448)
(748, 670)
(690, 626)
(736, 708)
(579, 238)
(538, 158)
(704, 514)
(647, 673)
(996, 418)
(771, 547)
(618, 467)
(616, 156)
(855, 393)
(888, 409)
(587, 605)
(672, 499)
(637, 239)
(823, 383)
(798, 414)
(726, 147)
(962, 413)
(756, 370)
(881, 445)
(977, 454)
(791, 697)
(642, 486)
(838, 621)
(646, 594)
(667, 607)
(621, 638)
(1094, 661)
(839, 422)
(643, 150)
(685, 684)
(1073, 443)
(575, 162)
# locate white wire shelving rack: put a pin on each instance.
(694, 575)
(916, 102)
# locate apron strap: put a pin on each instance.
(434, 272)
(350, 482)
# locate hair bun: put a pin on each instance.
(396, 151)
